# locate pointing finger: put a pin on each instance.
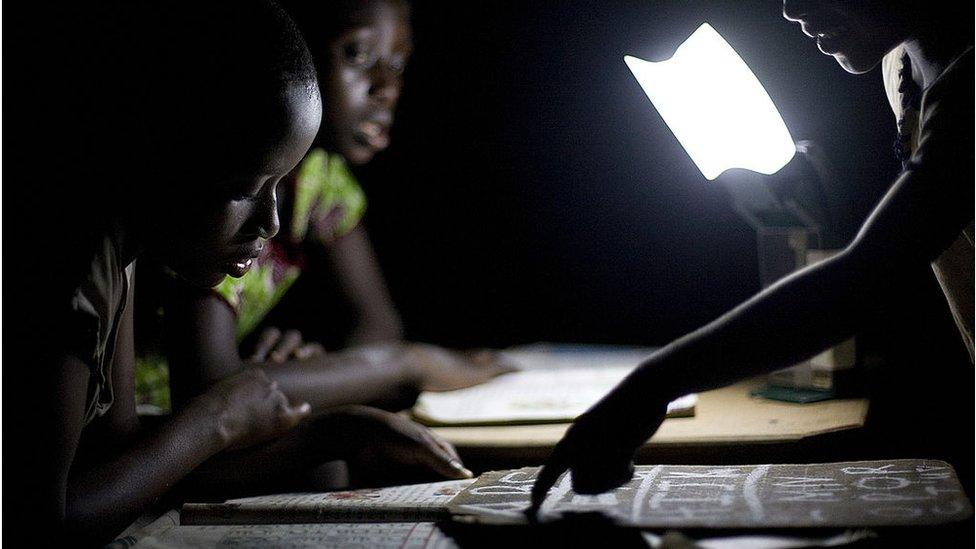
(550, 473)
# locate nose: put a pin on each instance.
(794, 10)
(384, 85)
(264, 217)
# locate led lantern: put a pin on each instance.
(716, 106)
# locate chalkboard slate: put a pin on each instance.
(849, 494)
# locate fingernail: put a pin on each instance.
(462, 469)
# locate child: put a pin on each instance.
(212, 121)
(361, 50)
(926, 216)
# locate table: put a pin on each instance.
(725, 419)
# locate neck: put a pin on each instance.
(930, 55)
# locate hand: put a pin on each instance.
(599, 447)
(387, 447)
(275, 347)
(250, 408)
(438, 369)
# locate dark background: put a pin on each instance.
(532, 192)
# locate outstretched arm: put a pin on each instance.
(202, 347)
(923, 212)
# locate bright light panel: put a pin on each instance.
(716, 106)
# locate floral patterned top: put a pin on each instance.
(320, 203)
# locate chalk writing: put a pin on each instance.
(897, 492)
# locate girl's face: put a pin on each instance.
(361, 75)
(227, 210)
(857, 33)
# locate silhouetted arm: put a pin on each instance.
(923, 212)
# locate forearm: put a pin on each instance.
(358, 376)
(358, 273)
(785, 324)
(104, 497)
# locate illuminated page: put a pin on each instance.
(423, 535)
(410, 503)
(550, 388)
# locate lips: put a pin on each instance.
(373, 134)
(239, 263)
(829, 37)
(831, 41)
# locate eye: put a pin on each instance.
(242, 190)
(398, 64)
(357, 54)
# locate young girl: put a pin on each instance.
(926, 216)
(361, 50)
(210, 123)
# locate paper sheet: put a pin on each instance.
(429, 495)
(410, 503)
(423, 535)
(551, 387)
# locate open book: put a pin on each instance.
(554, 385)
(410, 503)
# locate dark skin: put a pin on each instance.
(361, 67)
(91, 494)
(361, 70)
(923, 212)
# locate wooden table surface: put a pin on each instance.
(722, 417)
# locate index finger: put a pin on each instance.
(492, 360)
(266, 341)
(440, 459)
(286, 345)
(550, 473)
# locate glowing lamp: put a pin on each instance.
(716, 106)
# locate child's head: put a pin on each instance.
(231, 106)
(361, 48)
(858, 33)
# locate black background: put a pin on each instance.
(533, 193)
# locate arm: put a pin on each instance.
(93, 495)
(923, 212)
(203, 348)
(356, 268)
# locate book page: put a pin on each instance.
(849, 494)
(423, 535)
(429, 495)
(410, 503)
(550, 387)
